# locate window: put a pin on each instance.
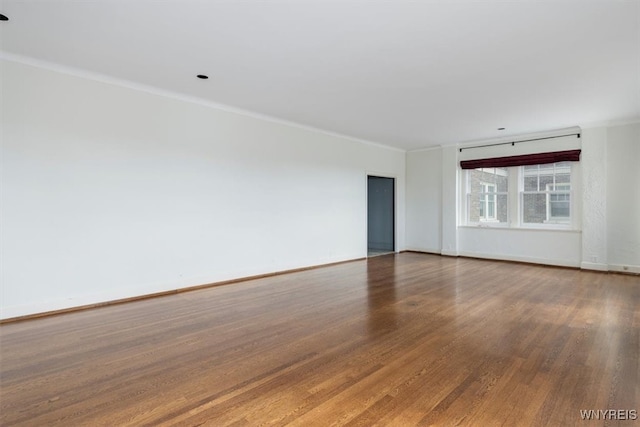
(546, 198)
(559, 202)
(520, 196)
(488, 202)
(487, 197)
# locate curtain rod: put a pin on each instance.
(517, 142)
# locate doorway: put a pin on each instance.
(380, 215)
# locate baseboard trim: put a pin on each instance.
(523, 260)
(625, 269)
(613, 268)
(445, 252)
(594, 266)
(415, 251)
(169, 292)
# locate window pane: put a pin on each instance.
(501, 180)
(560, 209)
(547, 194)
(534, 208)
(563, 178)
(545, 207)
(502, 214)
(491, 207)
(486, 195)
(531, 183)
(473, 208)
(546, 182)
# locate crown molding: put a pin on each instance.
(103, 78)
(418, 150)
(612, 123)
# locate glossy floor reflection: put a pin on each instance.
(399, 340)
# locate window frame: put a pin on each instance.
(515, 202)
(551, 169)
(555, 192)
(486, 198)
(485, 222)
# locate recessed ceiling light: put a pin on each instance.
(500, 128)
(3, 17)
(203, 77)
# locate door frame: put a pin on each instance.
(366, 208)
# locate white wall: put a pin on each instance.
(431, 218)
(594, 212)
(623, 197)
(450, 201)
(537, 246)
(424, 201)
(557, 247)
(611, 224)
(110, 192)
(608, 237)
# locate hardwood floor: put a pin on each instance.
(409, 339)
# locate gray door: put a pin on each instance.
(381, 209)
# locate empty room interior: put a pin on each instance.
(314, 213)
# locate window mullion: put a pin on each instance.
(513, 191)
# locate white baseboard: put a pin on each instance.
(446, 252)
(150, 290)
(594, 266)
(531, 260)
(57, 304)
(435, 251)
(633, 269)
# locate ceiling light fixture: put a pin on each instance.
(202, 76)
(3, 17)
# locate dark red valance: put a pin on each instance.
(524, 160)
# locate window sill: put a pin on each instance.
(498, 225)
(520, 228)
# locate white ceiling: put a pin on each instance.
(409, 74)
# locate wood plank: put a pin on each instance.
(405, 339)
